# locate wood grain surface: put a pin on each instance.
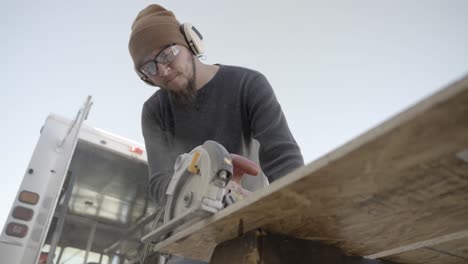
(399, 183)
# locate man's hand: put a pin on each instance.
(241, 166)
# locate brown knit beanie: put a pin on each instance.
(153, 28)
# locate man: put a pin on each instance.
(197, 102)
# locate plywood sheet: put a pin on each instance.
(397, 184)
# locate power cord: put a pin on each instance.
(145, 250)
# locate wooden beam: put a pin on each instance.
(400, 183)
(421, 244)
(257, 247)
(452, 252)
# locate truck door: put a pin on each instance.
(30, 216)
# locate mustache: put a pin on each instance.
(169, 79)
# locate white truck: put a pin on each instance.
(83, 198)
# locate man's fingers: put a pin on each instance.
(242, 165)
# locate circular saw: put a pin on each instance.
(197, 188)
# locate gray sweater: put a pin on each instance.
(238, 109)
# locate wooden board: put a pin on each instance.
(453, 252)
(395, 185)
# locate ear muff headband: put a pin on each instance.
(193, 38)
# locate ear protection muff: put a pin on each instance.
(193, 38)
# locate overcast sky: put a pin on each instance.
(338, 68)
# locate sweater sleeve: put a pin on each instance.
(157, 148)
(279, 153)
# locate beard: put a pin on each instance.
(185, 96)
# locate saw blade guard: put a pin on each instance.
(199, 181)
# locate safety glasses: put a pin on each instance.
(165, 56)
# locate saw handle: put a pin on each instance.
(241, 166)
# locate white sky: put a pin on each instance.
(338, 67)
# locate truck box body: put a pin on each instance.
(84, 193)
